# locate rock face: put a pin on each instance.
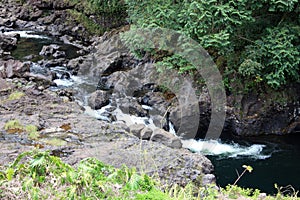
(260, 114)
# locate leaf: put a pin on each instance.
(10, 173)
(248, 168)
(66, 127)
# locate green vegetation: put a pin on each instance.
(254, 43)
(38, 175)
(32, 132)
(16, 95)
(14, 126)
(98, 16)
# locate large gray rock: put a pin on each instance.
(39, 79)
(141, 131)
(7, 22)
(171, 166)
(98, 99)
(13, 68)
(8, 42)
(166, 138)
(131, 106)
(49, 50)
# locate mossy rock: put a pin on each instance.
(16, 95)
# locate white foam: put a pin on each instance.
(131, 119)
(68, 82)
(95, 113)
(172, 129)
(147, 107)
(26, 34)
(63, 82)
(215, 147)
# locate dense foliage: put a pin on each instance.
(99, 16)
(39, 175)
(256, 42)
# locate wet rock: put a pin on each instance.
(256, 115)
(59, 54)
(185, 118)
(49, 50)
(38, 69)
(8, 42)
(53, 62)
(80, 65)
(98, 99)
(166, 138)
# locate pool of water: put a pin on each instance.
(31, 43)
(275, 159)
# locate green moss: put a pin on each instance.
(54, 141)
(90, 25)
(13, 124)
(32, 132)
(16, 95)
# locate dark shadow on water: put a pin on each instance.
(282, 168)
(33, 46)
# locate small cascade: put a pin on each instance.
(225, 150)
(27, 34)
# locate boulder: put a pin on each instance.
(146, 133)
(208, 179)
(59, 54)
(8, 42)
(141, 131)
(39, 79)
(13, 68)
(131, 106)
(98, 99)
(166, 138)
(136, 129)
(49, 50)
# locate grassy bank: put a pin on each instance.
(38, 175)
